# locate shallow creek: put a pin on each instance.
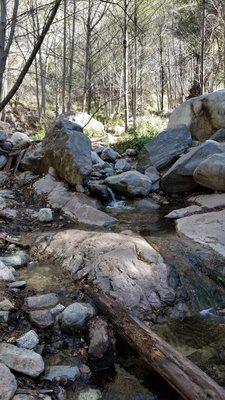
(198, 273)
(192, 271)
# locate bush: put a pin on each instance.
(40, 134)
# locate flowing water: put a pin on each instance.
(198, 275)
(194, 272)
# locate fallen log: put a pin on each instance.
(184, 376)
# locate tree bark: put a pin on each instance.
(181, 374)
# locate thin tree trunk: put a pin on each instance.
(64, 60)
(162, 72)
(203, 46)
(86, 97)
(3, 15)
(135, 75)
(125, 66)
(72, 57)
(33, 54)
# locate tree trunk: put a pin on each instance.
(181, 374)
(3, 15)
(72, 57)
(162, 72)
(126, 66)
(202, 46)
(64, 59)
(30, 60)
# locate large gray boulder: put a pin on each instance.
(165, 148)
(211, 172)
(125, 267)
(68, 151)
(130, 183)
(203, 115)
(179, 178)
(8, 383)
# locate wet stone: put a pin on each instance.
(42, 301)
(62, 372)
(21, 360)
(8, 384)
(29, 340)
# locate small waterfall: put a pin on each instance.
(114, 203)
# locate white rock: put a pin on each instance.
(19, 139)
(29, 340)
(45, 215)
(6, 273)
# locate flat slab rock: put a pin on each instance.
(207, 229)
(183, 212)
(209, 201)
(125, 266)
(21, 360)
(77, 206)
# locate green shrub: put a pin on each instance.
(40, 134)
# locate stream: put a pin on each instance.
(195, 334)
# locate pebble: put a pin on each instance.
(21, 360)
(45, 215)
(90, 394)
(8, 384)
(29, 340)
(6, 273)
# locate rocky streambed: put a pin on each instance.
(81, 215)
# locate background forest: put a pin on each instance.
(118, 59)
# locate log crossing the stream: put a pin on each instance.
(184, 376)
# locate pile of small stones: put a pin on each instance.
(47, 326)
